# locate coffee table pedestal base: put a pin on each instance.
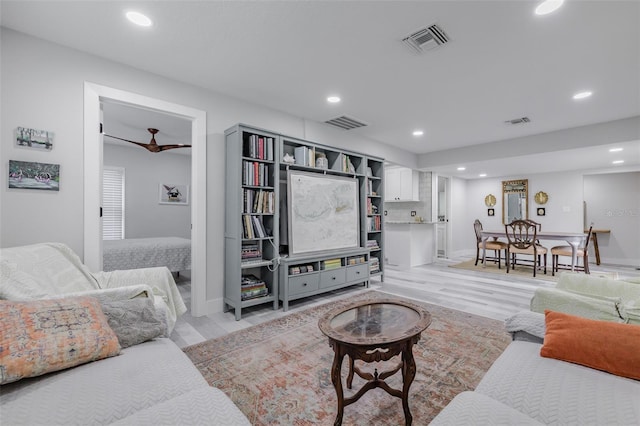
(384, 352)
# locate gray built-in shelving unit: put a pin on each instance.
(256, 237)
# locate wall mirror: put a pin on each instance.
(514, 200)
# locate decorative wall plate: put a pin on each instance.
(490, 200)
(541, 197)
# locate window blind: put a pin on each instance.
(112, 203)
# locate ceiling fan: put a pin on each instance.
(153, 146)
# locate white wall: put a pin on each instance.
(613, 202)
(48, 95)
(144, 171)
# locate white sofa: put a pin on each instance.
(151, 383)
(523, 388)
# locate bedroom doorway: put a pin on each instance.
(96, 95)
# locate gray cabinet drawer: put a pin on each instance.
(303, 283)
(360, 272)
(333, 277)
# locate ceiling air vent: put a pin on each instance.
(426, 38)
(520, 120)
(346, 123)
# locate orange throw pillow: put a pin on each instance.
(41, 336)
(603, 345)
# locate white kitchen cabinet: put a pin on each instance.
(401, 184)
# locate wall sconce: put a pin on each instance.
(541, 198)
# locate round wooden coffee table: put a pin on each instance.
(374, 331)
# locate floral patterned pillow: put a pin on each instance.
(41, 336)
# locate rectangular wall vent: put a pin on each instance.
(520, 120)
(426, 38)
(346, 123)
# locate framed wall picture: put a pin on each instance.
(540, 211)
(32, 175)
(33, 138)
(491, 212)
(174, 194)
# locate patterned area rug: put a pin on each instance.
(492, 268)
(278, 373)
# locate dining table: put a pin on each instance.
(574, 239)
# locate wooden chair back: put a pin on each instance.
(477, 227)
(522, 234)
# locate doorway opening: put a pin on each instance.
(94, 96)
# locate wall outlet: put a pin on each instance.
(413, 213)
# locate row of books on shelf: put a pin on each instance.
(371, 208)
(252, 227)
(254, 173)
(374, 223)
(372, 244)
(332, 264)
(258, 201)
(252, 287)
(374, 265)
(300, 269)
(260, 147)
(251, 251)
(347, 165)
(356, 260)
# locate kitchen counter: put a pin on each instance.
(409, 243)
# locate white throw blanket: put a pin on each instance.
(49, 270)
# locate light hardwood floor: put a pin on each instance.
(485, 294)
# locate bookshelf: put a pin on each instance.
(374, 210)
(259, 267)
(251, 218)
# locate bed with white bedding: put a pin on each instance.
(133, 253)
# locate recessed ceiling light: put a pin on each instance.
(618, 162)
(482, 175)
(139, 19)
(615, 150)
(418, 133)
(333, 99)
(548, 6)
(582, 95)
(460, 169)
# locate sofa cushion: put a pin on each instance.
(556, 392)
(104, 391)
(42, 336)
(202, 406)
(133, 320)
(603, 345)
(473, 408)
(600, 307)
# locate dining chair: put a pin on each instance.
(581, 253)
(495, 245)
(523, 239)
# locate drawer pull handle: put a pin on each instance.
(304, 284)
(357, 272)
(333, 278)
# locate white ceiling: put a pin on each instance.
(502, 62)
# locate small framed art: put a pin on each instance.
(34, 138)
(175, 194)
(540, 211)
(32, 175)
(491, 212)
